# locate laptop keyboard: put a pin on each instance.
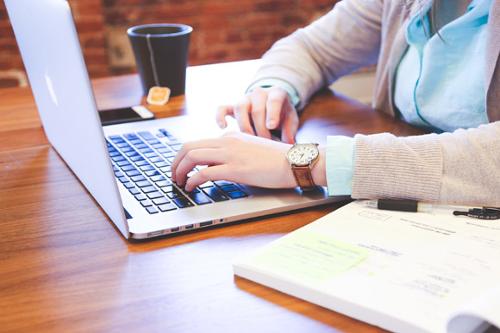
(142, 163)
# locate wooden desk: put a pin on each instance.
(64, 268)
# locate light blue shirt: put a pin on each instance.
(445, 75)
(439, 85)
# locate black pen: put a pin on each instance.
(485, 213)
(400, 205)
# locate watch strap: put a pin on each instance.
(303, 177)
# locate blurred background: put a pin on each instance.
(223, 30)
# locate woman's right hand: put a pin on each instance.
(261, 111)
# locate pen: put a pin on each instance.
(485, 213)
(401, 205)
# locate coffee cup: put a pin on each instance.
(161, 52)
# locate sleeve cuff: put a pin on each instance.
(339, 164)
(274, 82)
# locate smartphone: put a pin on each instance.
(125, 115)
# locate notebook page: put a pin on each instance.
(416, 267)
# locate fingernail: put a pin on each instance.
(270, 124)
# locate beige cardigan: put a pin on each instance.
(462, 167)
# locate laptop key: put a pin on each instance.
(140, 197)
(164, 183)
(151, 173)
(151, 155)
(128, 167)
(165, 169)
(146, 135)
(154, 195)
(130, 136)
(215, 194)
(136, 159)
(142, 162)
(167, 207)
(122, 163)
(160, 201)
(152, 210)
(173, 195)
(146, 203)
(169, 154)
(138, 178)
(156, 159)
(167, 189)
(146, 167)
(148, 189)
(236, 194)
(126, 149)
(200, 198)
(230, 188)
(131, 153)
(158, 178)
(182, 202)
(123, 179)
(162, 164)
(134, 191)
(207, 184)
(128, 185)
(133, 173)
(143, 183)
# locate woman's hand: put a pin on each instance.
(261, 111)
(240, 158)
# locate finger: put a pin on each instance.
(204, 156)
(242, 115)
(276, 99)
(217, 172)
(188, 146)
(258, 112)
(222, 112)
(290, 125)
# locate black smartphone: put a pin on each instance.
(125, 115)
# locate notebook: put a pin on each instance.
(404, 272)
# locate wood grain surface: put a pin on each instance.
(64, 267)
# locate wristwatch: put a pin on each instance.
(302, 157)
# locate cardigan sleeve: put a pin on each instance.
(318, 54)
(462, 167)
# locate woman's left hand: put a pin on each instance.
(235, 157)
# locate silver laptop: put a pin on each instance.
(126, 167)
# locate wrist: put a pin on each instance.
(318, 170)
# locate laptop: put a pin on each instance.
(126, 167)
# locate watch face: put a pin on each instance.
(302, 154)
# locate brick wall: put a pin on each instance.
(223, 30)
